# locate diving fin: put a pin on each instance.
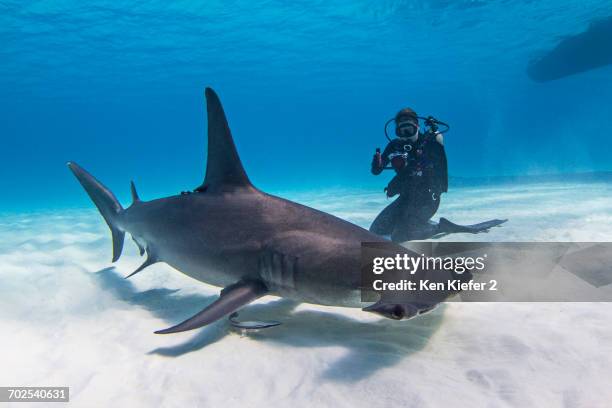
(447, 227)
(231, 299)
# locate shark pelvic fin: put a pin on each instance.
(224, 171)
(135, 197)
(232, 298)
(141, 249)
(151, 259)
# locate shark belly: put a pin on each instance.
(170, 234)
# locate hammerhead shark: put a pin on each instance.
(229, 234)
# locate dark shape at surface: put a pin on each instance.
(577, 53)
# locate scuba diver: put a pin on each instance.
(419, 161)
(421, 176)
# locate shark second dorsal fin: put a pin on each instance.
(224, 171)
(135, 197)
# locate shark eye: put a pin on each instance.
(397, 312)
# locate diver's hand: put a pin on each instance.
(390, 193)
(377, 158)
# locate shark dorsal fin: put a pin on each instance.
(224, 171)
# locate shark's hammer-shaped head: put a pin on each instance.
(399, 311)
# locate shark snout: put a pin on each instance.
(399, 311)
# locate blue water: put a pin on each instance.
(307, 86)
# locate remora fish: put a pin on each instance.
(232, 235)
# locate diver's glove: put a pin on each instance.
(390, 193)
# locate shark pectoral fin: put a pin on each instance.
(232, 298)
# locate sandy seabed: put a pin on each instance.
(69, 318)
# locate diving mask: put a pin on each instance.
(407, 128)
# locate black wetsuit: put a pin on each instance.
(421, 176)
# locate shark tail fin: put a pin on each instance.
(106, 202)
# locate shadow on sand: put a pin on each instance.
(370, 345)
